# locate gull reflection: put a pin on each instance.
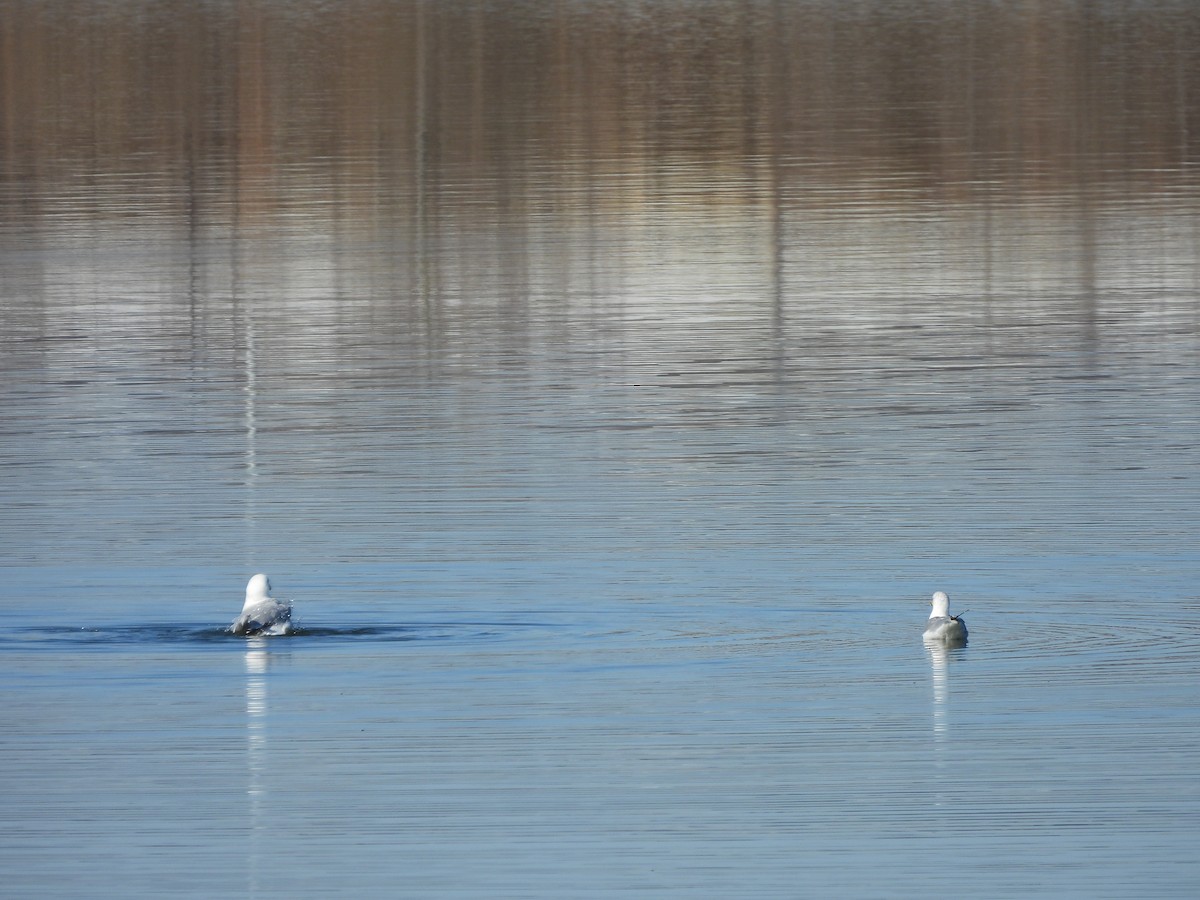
(940, 658)
(256, 751)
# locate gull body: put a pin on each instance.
(943, 627)
(262, 613)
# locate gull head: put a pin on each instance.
(257, 590)
(940, 604)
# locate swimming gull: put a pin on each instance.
(942, 626)
(262, 614)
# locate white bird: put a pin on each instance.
(262, 614)
(942, 626)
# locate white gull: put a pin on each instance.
(262, 614)
(943, 627)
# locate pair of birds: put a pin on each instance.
(263, 614)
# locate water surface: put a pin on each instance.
(609, 385)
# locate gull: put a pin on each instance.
(262, 614)
(943, 627)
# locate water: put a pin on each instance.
(609, 385)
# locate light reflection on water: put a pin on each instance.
(939, 659)
(608, 385)
(258, 761)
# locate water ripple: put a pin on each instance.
(166, 633)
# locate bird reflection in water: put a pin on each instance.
(256, 752)
(941, 657)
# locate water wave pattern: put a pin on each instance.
(609, 384)
(1076, 639)
(155, 634)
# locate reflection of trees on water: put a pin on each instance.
(926, 90)
(477, 158)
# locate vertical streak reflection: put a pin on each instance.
(938, 658)
(250, 425)
(256, 755)
(420, 152)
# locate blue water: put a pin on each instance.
(609, 416)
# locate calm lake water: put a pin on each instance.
(609, 385)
